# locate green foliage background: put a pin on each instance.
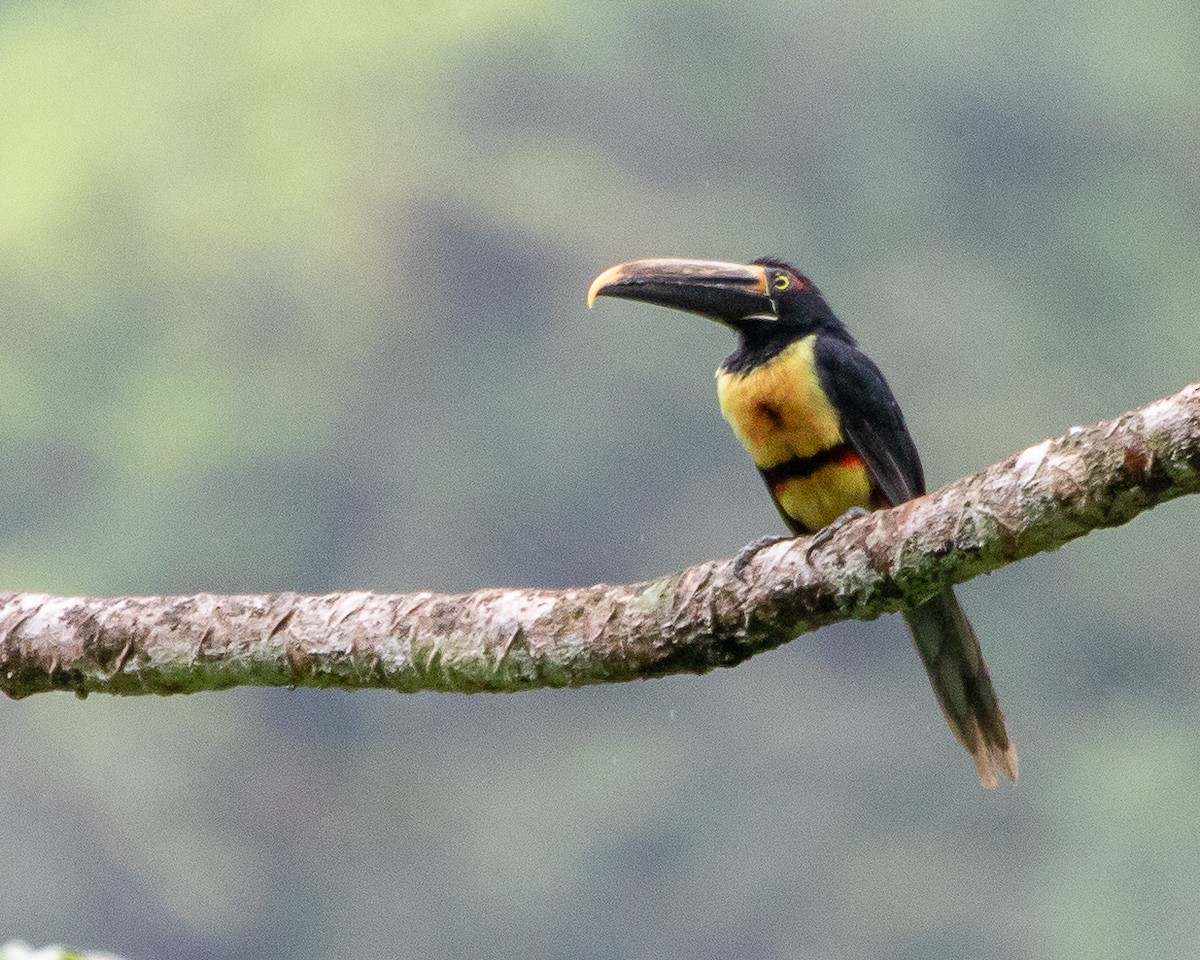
(292, 298)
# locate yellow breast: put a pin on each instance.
(778, 409)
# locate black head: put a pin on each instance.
(798, 304)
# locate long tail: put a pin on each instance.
(950, 652)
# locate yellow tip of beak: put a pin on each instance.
(602, 281)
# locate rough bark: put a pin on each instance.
(693, 621)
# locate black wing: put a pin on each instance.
(871, 420)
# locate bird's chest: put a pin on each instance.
(778, 409)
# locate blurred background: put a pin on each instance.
(292, 297)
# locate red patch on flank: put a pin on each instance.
(849, 459)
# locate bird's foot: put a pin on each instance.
(746, 554)
(822, 536)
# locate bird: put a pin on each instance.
(822, 426)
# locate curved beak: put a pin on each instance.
(725, 292)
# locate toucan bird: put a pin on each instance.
(822, 426)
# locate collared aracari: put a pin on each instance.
(819, 420)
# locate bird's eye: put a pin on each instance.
(781, 282)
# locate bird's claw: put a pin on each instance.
(822, 536)
(746, 554)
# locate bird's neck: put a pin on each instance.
(762, 341)
(758, 344)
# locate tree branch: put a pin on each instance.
(704, 617)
